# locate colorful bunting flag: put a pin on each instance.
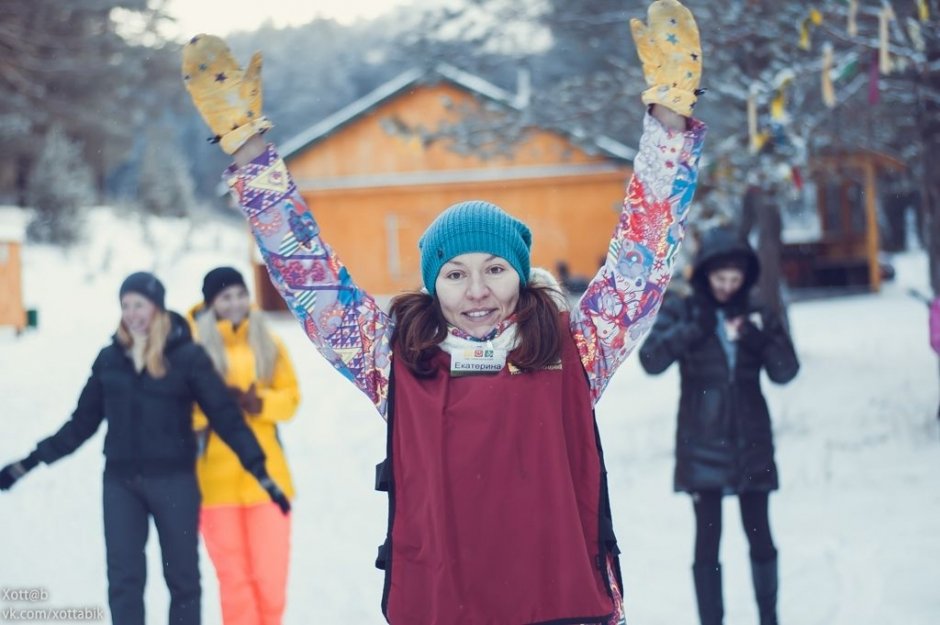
(752, 118)
(923, 10)
(853, 15)
(828, 91)
(814, 18)
(884, 18)
(848, 70)
(797, 177)
(778, 105)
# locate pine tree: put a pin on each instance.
(59, 186)
(80, 66)
(165, 186)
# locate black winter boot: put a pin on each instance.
(765, 589)
(711, 605)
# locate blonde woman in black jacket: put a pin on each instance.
(144, 384)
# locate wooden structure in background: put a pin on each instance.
(12, 310)
(846, 254)
(376, 174)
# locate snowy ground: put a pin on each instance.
(856, 521)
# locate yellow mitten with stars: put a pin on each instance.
(227, 97)
(671, 54)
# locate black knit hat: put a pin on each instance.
(147, 285)
(218, 280)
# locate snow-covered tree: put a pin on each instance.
(59, 187)
(165, 186)
(78, 65)
(767, 106)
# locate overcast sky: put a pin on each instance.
(222, 17)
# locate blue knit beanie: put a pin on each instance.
(474, 226)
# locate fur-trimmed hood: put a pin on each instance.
(717, 245)
(541, 277)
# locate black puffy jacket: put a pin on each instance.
(724, 439)
(150, 419)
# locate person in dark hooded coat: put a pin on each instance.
(724, 440)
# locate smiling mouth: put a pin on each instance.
(477, 315)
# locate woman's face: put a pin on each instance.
(725, 283)
(232, 304)
(477, 291)
(137, 313)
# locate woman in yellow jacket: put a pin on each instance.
(246, 535)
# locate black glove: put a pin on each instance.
(14, 471)
(705, 318)
(272, 489)
(702, 323)
(752, 334)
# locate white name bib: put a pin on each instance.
(483, 359)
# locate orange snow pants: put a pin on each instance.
(249, 547)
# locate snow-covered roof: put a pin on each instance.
(12, 224)
(406, 80)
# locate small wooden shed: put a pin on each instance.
(12, 234)
(846, 254)
(377, 172)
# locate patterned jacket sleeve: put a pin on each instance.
(621, 302)
(345, 323)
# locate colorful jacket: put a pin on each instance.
(354, 334)
(222, 480)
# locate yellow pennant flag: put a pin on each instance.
(923, 10)
(814, 18)
(804, 35)
(760, 141)
(778, 105)
(828, 91)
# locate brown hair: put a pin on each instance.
(154, 361)
(420, 327)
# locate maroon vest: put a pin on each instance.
(498, 509)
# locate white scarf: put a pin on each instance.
(506, 340)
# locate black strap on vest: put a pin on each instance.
(383, 476)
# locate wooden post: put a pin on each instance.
(871, 225)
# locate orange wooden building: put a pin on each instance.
(377, 172)
(12, 234)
